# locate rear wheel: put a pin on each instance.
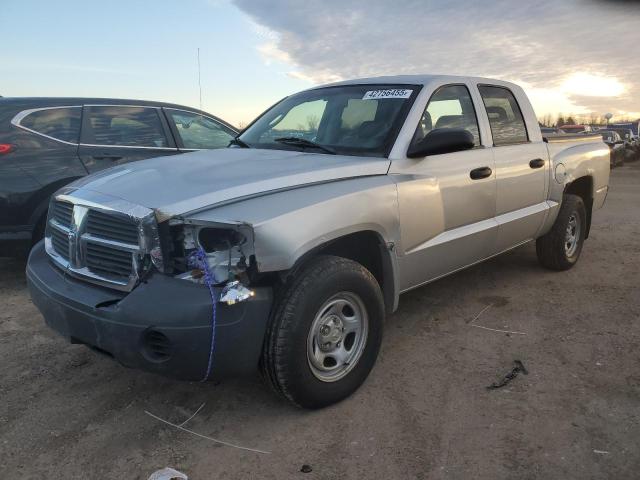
(325, 333)
(560, 248)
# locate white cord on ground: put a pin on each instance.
(204, 436)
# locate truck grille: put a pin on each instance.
(111, 228)
(60, 242)
(110, 261)
(62, 213)
(100, 244)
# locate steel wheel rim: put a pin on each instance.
(572, 235)
(337, 337)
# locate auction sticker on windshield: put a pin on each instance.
(389, 93)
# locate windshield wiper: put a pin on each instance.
(303, 142)
(238, 142)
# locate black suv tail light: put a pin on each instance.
(6, 148)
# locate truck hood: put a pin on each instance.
(179, 184)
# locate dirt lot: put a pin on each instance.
(424, 413)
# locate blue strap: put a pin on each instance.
(199, 260)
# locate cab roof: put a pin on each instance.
(423, 79)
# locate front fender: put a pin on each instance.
(288, 225)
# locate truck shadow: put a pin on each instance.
(472, 282)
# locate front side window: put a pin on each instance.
(505, 117)
(124, 126)
(199, 132)
(59, 123)
(449, 107)
(348, 120)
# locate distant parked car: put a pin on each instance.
(551, 131)
(616, 145)
(576, 128)
(632, 148)
(46, 143)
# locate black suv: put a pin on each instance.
(46, 143)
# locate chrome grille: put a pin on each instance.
(60, 242)
(107, 260)
(110, 227)
(96, 242)
(62, 213)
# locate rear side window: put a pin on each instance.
(124, 126)
(198, 131)
(505, 117)
(59, 123)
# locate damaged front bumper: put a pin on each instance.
(162, 326)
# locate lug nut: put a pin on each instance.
(324, 330)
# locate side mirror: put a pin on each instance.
(442, 140)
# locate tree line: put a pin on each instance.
(561, 120)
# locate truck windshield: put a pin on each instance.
(347, 120)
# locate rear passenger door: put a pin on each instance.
(48, 144)
(116, 134)
(45, 158)
(521, 169)
(195, 131)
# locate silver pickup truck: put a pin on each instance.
(284, 252)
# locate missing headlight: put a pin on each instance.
(218, 239)
(227, 249)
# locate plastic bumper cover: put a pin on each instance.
(162, 326)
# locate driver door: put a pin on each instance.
(447, 202)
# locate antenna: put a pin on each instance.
(199, 83)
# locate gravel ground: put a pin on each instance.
(424, 413)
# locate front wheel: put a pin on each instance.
(325, 333)
(560, 248)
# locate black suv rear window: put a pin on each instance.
(59, 123)
(126, 126)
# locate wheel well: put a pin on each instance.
(41, 199)
(583, 187)
(39, 228)
(369, 250)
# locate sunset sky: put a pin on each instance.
(572, 56)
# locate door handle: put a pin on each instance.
(107, 157)
(536, 163)
(479, 173)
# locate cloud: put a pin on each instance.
(271, 52)
(578, 51)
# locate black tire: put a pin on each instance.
(551, 248)
(285, 364)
